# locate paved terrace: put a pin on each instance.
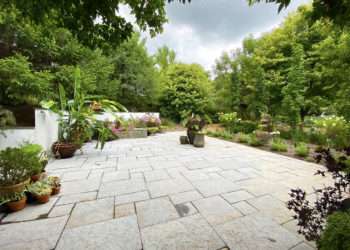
(154, 193)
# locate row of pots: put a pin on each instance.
(197, 139)
(52, 184)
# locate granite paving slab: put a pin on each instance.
(91, 212)
(191, 232)
(38, 234)
(155, 211)
(216, 210)
(256, 232)
(116, 234)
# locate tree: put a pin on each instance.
(19, 84)
(293, 92)
(94, 22)
(187, 90)
(338, 11)
(165, 57)
(135, 70)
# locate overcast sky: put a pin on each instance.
(199, 32)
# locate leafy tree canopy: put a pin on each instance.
(187, 90)
(94, 22)
(338, 10)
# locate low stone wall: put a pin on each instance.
(134, 133)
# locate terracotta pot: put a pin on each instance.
(4, 190)
(35, 177)
(199, 140)
(63, 150)
(15, 206)
(56, 190)
(184, 139)
(42, 198)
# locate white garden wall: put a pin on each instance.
(44, 133)
(46, 128)
(15, 137)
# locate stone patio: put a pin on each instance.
(153, 193)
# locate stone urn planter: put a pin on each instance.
(184, 139)
(199, 140)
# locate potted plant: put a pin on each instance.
(34, 153)
(41, 191)
(15, 170)
(15, 201)
(198, 140)
(55, 183)
(194, 125)
(76, 119)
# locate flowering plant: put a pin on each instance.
(335, 128)
(151, 120)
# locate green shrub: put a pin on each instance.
(169, 123)
(18, 164)
(298, 135)
(152, 130)
(336, 235)
(245, 127)
(279, 145)
(226, 135)
(302, 149)
(336, 129)
(315, 137)
(254, 141)
(242, 138)
(228, 120)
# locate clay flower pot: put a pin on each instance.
(19, 187)
(35, 177)
(63, 150)
(56, 190)
(15, 206)
(42, 198)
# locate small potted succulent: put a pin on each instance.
(55, 183)
(41, 191)
(15, 201)
(194, 125)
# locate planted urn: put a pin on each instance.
(199, 140)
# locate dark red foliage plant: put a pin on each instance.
(311, 217)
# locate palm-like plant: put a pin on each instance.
(76, 117)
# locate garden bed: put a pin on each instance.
(216, 131)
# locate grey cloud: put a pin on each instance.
(202, 30)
